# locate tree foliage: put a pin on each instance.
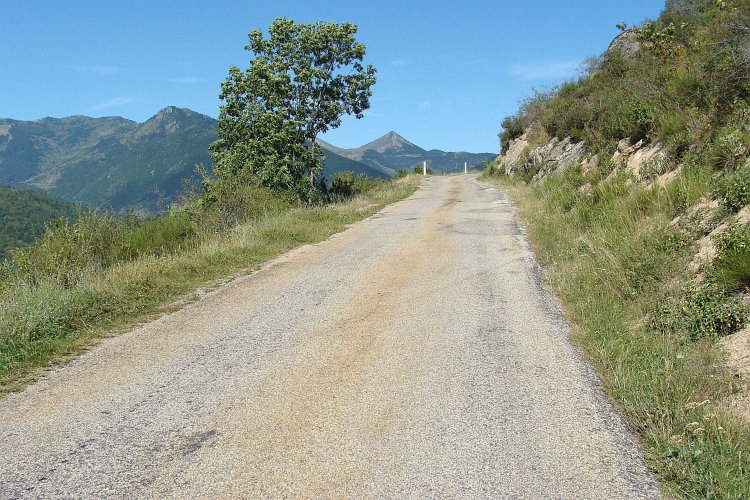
(300, 82)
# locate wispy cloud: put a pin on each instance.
(189, 80)
(370, 114)
(99, 70)
(113, 103)
(544, 70)
(400, 62)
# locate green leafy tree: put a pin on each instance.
(303, 79)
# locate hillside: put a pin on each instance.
(114, 163)
(392, 152)
(108, 163)
(633, 181)
(23, 215)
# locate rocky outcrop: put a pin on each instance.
(626, 43)
(643, 161)
(556, 156)
(516, 155)
(552, 156)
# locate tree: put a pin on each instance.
(301, 82)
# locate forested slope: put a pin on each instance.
(24, 215)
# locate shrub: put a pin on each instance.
(729, 151)
(232, 200)
(531, 110)
(733, 189)
(98, 240)
(705, 310)
(345, 185)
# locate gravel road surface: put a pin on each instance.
(415, 355)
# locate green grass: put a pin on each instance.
(614, 259)
(47, 320)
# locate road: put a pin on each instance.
(415, 355)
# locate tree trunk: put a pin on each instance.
(312, 175)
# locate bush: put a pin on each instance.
(98, 240)
(729, 151)
(733, 189)
(705, 310)
(531, 111)
(513, 127)
(232, 200)
(345, 185)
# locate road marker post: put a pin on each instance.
(465, 168)
(424, 168)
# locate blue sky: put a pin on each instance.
(448, 72)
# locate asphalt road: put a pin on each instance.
(415, 355)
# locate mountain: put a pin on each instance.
(108, 163)
(118, 164)
(23, 215)
(115, 163)
(391, 152)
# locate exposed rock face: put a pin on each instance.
(634, 157)
(513, 159)
(556, 156)
(626, 43)
(547, 158)
(645, 162)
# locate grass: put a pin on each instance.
(614, 259)
(47, 321)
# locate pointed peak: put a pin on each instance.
(391, 142)
(167, 113)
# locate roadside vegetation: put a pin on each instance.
(101, 272)
(105, 272)
(622, 246)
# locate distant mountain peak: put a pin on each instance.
(170, 119)
(392, 152)
(390, 142)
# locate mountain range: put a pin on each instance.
(392, 152)
(118, 164)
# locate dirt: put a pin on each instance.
(737, 350)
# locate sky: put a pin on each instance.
(448, 71)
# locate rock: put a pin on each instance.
(665, 179)
(513, 159)
(555, 157)
(640, 155)
(626, 43)
(590, 164)
(743, 216)
(623, 145)
(706, 250)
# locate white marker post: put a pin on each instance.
(465, 168)
(424, 168)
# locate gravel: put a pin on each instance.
(415, 355)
